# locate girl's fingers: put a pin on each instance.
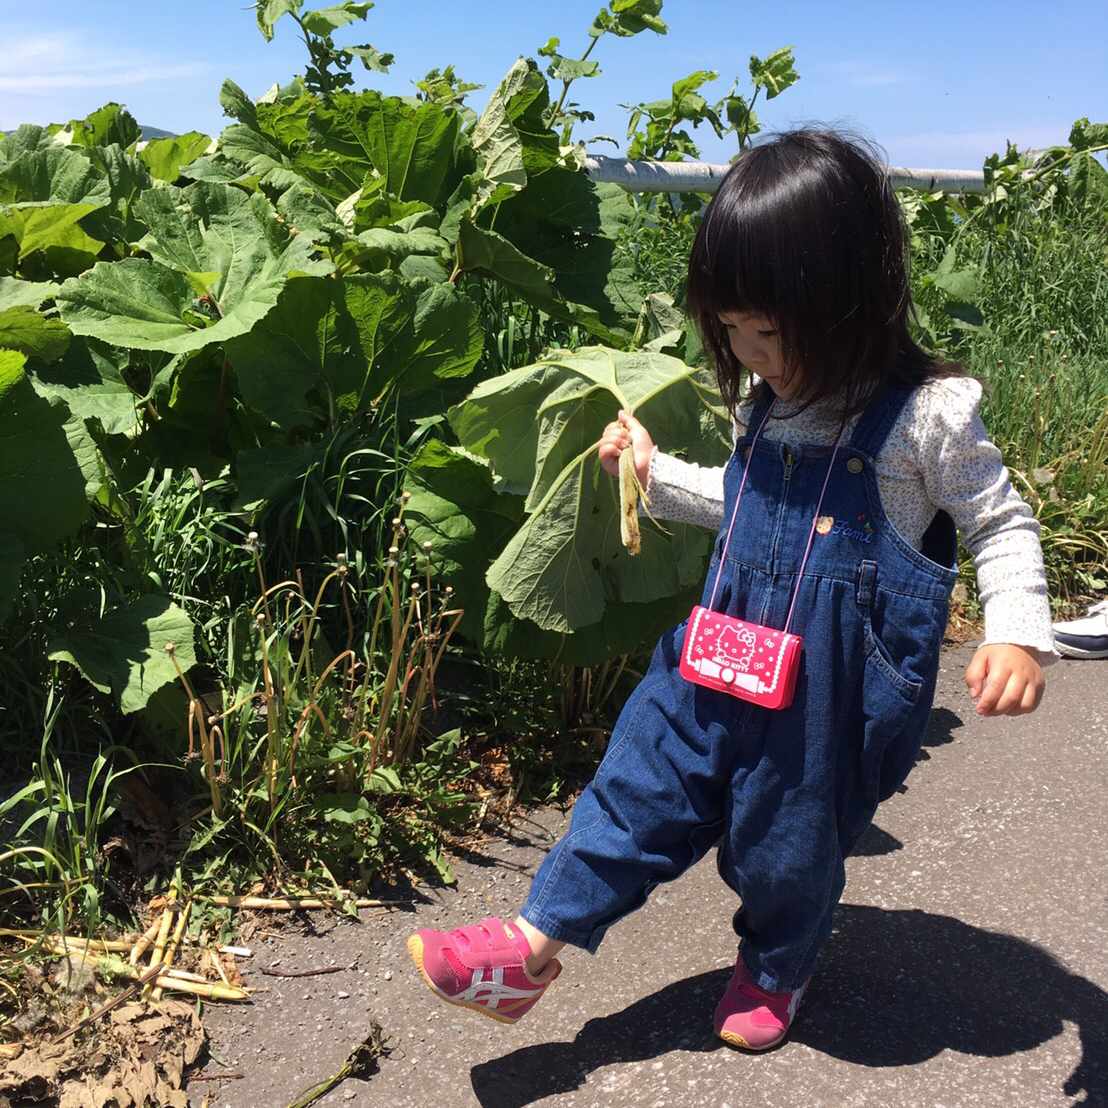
(1011, 694)
(994, 687)
(976, 673)
(1031, 696)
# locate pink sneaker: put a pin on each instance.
(750, 1017)
(482, 966)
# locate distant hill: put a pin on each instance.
(157, 132)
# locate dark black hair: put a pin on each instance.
(806, 230)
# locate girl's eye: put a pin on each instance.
(767, 334)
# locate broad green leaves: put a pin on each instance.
(629, 17)
(219, 262)
(165, 157)
(125, 652)
(269, 11)
(54, 175)
(323, 21)
(348, 344)
(53, 229)
(42, 489)
(15, 293)
(538, 428)
(411, 147)
(111, 124)
(775, 73)
(23, 329)
(550, 243)
(468, 521)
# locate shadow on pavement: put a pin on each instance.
(894, 988)
(940, 729)
(874, 841)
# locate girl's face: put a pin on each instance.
(756, 344)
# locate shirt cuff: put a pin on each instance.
(1026, 623)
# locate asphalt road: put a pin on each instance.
(969, 962)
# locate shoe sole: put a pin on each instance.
(731, 1039)
(1068, 651)
(415, 949)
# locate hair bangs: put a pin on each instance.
(806, 230)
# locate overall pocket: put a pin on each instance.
(892, 684)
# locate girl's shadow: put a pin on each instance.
(894, 988)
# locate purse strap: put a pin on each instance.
(811, 531)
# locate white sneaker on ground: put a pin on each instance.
(1086, 637)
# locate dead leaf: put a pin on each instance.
(137, 1059)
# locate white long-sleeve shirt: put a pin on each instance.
(937, 456)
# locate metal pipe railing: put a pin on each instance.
(706, 176)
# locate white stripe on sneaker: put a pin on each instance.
(495, 988)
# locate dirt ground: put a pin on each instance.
(968, 964)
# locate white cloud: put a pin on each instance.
(37, 64)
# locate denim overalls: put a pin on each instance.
(785, 794)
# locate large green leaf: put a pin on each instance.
(42, 489)
(27, 137)
(15, 293)
(487, 252)
(124, 652)
(53, 229)
(566, 564)
(165, 157)
(36, 336)
(569, 273)
(455, 507)
(322, 21)
(511, 139)
(287, 356)
(354, 340)
(206, 240)
(260, 157)
(107, 125)
(269, 11)
(89, 381)
(412, 146)
(55, 174)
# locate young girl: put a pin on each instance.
(856, 453)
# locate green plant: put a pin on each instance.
(309, 732)
(329, 67)
(52, 867)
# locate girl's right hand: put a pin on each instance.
(626, 431)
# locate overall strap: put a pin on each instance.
(872, 429)
(758, 413)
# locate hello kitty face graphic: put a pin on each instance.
(735, 647)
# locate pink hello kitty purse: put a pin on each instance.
(731, 655)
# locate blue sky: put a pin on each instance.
(937, 85)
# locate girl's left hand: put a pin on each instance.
(1005, 680)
